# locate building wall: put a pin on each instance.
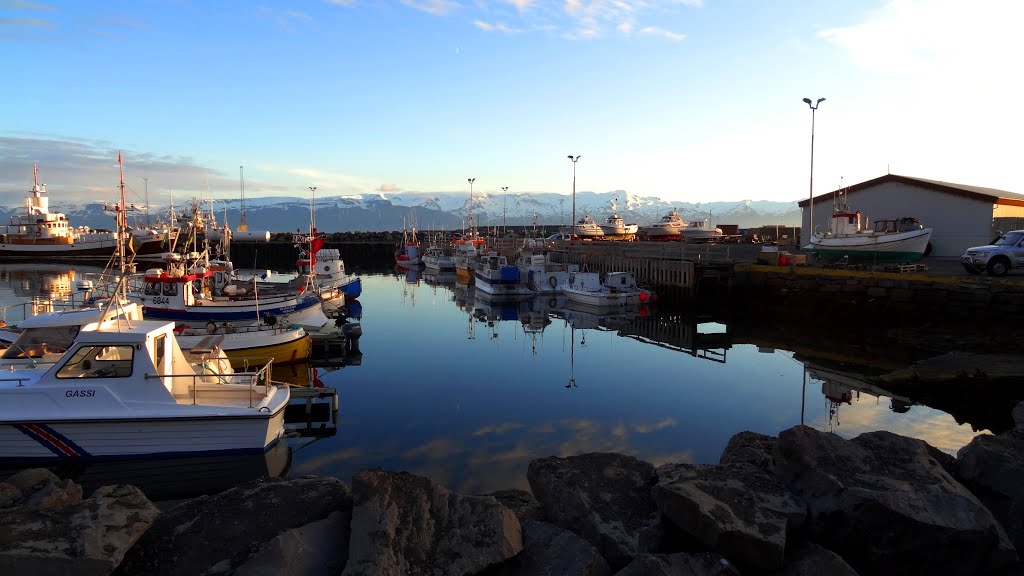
(957, 222)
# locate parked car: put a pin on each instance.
(562, 236)
(997, 258)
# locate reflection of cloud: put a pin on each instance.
(319, 463)
(869, 414)
(645, 428)
(686, 456)
(435, 449)
(498, 428)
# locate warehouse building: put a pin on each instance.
(960, 216)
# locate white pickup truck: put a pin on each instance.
(997, 258)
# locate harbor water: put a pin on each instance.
(467, 391)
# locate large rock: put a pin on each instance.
(521, 503)
(219, 533)
(993, 467)
(406, 525)
(750, 448)
(551, 551)
(679, 564)
(83, 538)
(606, 498)
(31, 479)
(809, 559)
(739, 510)
(317, 549)
(887, 506)
(9, 494)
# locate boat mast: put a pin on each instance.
(242, 227)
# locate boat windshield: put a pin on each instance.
(35, 342)
(1009, 239)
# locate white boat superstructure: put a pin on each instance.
(542, 275)
(132, 392)
(613, 289)
(586, 228)
(437, 259)
(670, 226)
(700, 231)
(496, 276)
(614, 225)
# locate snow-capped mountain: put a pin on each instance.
(445, 211)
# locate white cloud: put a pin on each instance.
(499, 27)
(520, 4)
(655, 31)
(432, 6)
(341, 2)
(483, 25)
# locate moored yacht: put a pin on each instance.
(614, 289)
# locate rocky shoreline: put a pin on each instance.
(805, 502)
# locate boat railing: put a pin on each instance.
(251, 375)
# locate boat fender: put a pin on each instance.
(270, 320)
(553, 302)
(211, 327)
(552, 281)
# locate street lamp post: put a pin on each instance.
(472, 229)
(504, 225)
(572, 225)
(312, 211)
(810, 199)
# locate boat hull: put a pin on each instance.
(899, 247)
(99, 249)
(602, 299)
(620, 230)
(84, 440)
(352, 288)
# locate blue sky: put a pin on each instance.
(686, 100)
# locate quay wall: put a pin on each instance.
(814, 289)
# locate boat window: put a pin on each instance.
(153, 288)
(158, 344)
(35, 342)
(111, 361)
(170, 289)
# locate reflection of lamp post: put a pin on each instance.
(503, 225)
(572, 228)
(810, 199)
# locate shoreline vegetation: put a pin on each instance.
(804, 502)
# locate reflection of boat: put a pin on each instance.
(439, 277)
(178, 478)
(580, 315)
(135, 382)
(670, 227)
(614, 289)
(615, 226)
(587, 228)
(896, 240)
(698, 231)
(39, 233)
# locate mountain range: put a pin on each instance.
(444, 211)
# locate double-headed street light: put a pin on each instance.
(572, 225)
(810, 199)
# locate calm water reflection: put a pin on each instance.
(467, 391)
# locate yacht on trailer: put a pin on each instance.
(670, 227)
(614, 225)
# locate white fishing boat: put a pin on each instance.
(41, 234)
(131, 392)
(849, 236)
(614, 225)
(699, 231)
(613, 289)
(495, 276)
(670, 227)
(586, 228)
(437, 259)
(541, 274)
